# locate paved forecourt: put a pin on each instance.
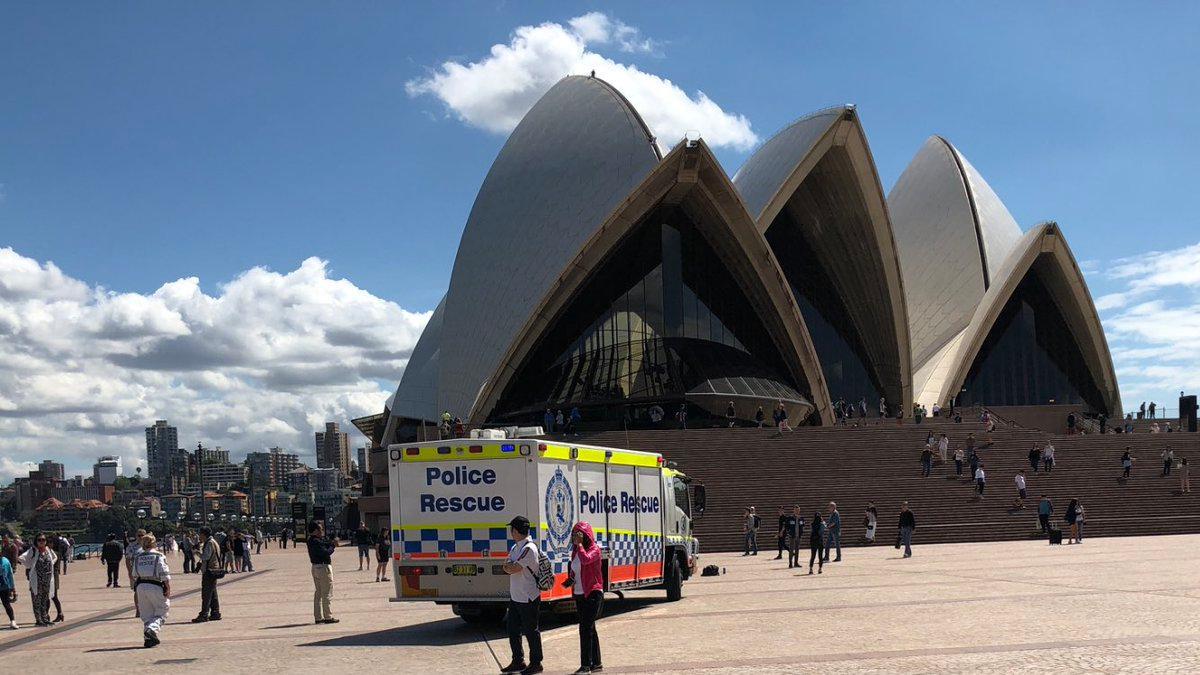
(1124, 604)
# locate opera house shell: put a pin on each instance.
(596, 272)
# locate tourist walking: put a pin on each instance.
(943, 446)
(383, 555)
(247, 544)
(907, 525)
(186, 545)
(1035, 457)
(731, 415)
(132, 548)
(750, 524)
(237, 549)
(926, 461)
(524, 599)
(1045, 508)
(585, 578)
(1168, 458)
(870, 522)
(795, 532)
(212, 567)
(1048, 457)
(151, 590)
(1020, 481)
(760, 417)
(816, 543)
(833, 529)
(1185, 481)
(8, 590)
(980, 480)
(320, 552)
(1126, 464)
(111, 554)
(362, 539)
(1079, 518)
(958, 462)
(39, 562)
(781, 534)
(782, 422)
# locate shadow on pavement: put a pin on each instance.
(455, 631)
(114, 649)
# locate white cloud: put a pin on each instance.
(1152, 317)
(495, 92)
(263, 362)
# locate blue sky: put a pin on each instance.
(145, 143)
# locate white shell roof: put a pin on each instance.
(416, 397)
(951, 230)
(574, 157)
(773, 162)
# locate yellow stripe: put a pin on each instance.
(598, 455)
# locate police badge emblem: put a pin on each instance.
(559, 513)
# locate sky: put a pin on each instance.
(238, 216)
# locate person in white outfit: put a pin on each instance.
(39, 560)
(151, 589)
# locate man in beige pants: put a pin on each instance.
(320, 551)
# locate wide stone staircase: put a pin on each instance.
(880, 462)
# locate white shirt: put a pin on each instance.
(979, 474)
(1048, 452)
(1020, 482)
(522, 587)
(151, 565)
(577, 574)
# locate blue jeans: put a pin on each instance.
(833, 539)
(751, 542)
(906, 539)
(926, 466)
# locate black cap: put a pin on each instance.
(520, 524)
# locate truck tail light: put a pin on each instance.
(475, 449)
(423, 570)
(541, 447)
(412, 451)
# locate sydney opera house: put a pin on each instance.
(596, 272)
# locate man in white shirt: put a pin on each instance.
(1048, 457)
(1020, 481)
(980, 480)
(524, 599)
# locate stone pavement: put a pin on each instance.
(1109, 605)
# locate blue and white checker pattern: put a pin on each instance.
(493, 540)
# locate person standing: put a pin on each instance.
(1078, 523)
(681, 415)
(907, 525)
(943, 446)
(189, 555)
(247, 544)
(111, 554)
(320, 552)
(833, 536)
(731, 415)
(212, 567)
(816, 543)
(1045, 508)
(1127, 463)
(795, 533)
(132, 548)
(926, 461)
(1035, 457)
(1071, 515)
(586, 581)
(980, 479)
(524, 599)
(151, 590)
(39, 561)
(1048, 457)
(750, 531)
(783, 420)
(362, 539)
(760, 417)
(781, 534)
(871, 522)
(1020, 481)
(8, 590)
(958, 462)
(237, 550)
(1168, 458)
(383, 555)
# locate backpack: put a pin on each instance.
(544, 577)
(710, 571)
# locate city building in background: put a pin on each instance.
(333, 448)
(52, 470)
(221, 476)
(270, 469)
(162, 440)
(106, 469)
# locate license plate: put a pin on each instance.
(463, 570)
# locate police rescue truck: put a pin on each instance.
(451, 501)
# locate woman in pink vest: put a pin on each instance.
(586, 581)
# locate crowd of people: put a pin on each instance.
(824, 533)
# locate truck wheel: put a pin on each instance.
(674, 580)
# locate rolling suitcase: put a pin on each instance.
(1055, 535)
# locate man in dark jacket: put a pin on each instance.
(111, 554)
(907, 524)
(320, 552)
(362, 539)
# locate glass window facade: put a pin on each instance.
(1030, 357)
(661, 321)
(842, 355)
